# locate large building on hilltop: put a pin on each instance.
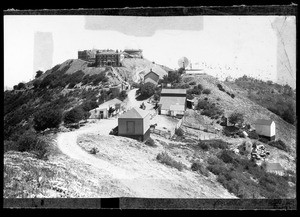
(100, 58)
(108, 58)
(87, 55)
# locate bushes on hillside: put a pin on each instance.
(209, 109)
(220, 87)
(279, 144)
(198, 167)
(206, 91)
(164, 158)
(30, 142)
(47, 119)
(253, 135)
(192, 83)
(74, 115)
(147, 89)
(236, 118)
(216, 144)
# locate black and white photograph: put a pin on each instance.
(128, 106)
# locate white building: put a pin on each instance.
(265, 128)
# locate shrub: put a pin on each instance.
(74, 116)
(29, 142)
(206, 91)
(147, 89)
(47, 118)
(192, 83)
(232, 95)
(253, 135)
(220, 87)
(122, 95)
(179, 132)
(150, 142)
(21, 86)
(37, 83)
(216, 169)
(166, 159)
(236, 118)
(279, 144)
(214, 161)
(199, 168)
(94, 150)
(10, 146)
(38, 73)
(204, 146)
(202, 104)
(227, 156)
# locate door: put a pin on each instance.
(130, 127)
(101, 115)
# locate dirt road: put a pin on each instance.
(133, 166)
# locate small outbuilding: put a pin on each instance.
(102, 112)
(135, 124)
(275, 168)
(151, 77)
(265, 128)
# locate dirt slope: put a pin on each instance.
(133, 165)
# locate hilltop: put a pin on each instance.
(73, 85)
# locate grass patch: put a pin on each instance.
(164, 158)
(279, 144)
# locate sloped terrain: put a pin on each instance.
(240, 103)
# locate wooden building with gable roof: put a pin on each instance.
(135, 124)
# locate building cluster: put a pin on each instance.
(108, 57)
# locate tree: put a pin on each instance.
(74, 115)
(47, 119)
(236, 118)
(181, 71)
(38, 73)
(122, 95)
(21, 86)
(147, 89)
(37, 83)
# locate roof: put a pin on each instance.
(263, 122)
(177, 107)
(173, 91)
(107, 52)
(109, 103)
(167, 101)
(151, 72)
(273, 166)
(157, 69)
(135, 113)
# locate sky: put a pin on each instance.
(221, 45)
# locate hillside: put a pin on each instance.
(241, 103)
(181, 166)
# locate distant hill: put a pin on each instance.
(241, 103)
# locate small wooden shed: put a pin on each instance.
(135, 124)
(265, 128)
